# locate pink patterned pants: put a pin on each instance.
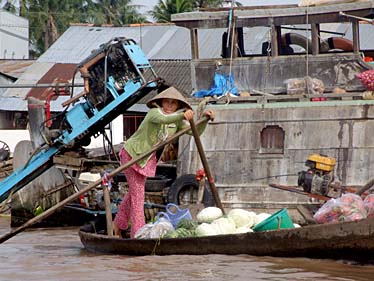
(132, 205)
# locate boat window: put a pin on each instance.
(297, 39)
(272, 140)
(293, 39)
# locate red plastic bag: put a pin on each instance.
(349, 207)
(369, 205)
(367, 79)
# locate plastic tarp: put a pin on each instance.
(222, 84)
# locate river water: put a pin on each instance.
(57, 254)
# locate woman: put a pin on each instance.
(169, 113)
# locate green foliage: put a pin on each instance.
(165, 8)
(115, 12)
(48, 19)
(207, 3)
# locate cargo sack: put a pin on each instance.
(154, 230)
(367, 79)
(349, 207)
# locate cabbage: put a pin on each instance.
(209, 214)
(242, 217)
(243, 229)
(205, 229)
(224, 226)
(261, 217)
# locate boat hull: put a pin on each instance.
(348, 240)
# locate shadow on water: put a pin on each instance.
(57, 254)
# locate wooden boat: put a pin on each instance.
(346, 240)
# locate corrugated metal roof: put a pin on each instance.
(177, 73)
(169, 42)
(77, 42)
(167, 46)
(158, 42)
(60, 72)
(31, 76)
(14, 98)
(20, 104)
(14, 68)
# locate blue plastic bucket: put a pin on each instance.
(278, 220)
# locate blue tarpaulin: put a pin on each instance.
(222, 84)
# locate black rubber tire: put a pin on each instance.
(183, 184)
(4, 151)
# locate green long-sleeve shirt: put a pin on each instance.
(156, 127)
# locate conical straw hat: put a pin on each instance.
(169, 93)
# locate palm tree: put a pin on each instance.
(207, 3)
(115, 12)
(165, 8)
(50, 18)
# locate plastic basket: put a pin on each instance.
(176, 216)
(278, 220)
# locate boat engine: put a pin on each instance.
(318, 178)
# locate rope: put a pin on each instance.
(158, 242)
(307, 50)
(2, 206)
(227, 94)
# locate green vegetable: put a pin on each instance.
(187, 224)
(171, 234)
(182, 232)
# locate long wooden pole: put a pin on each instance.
(108, 211)
(367, 186)
(200, 149)
(75, 196)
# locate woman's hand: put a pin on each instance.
(210, 114)
(188, 114)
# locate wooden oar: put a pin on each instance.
(367, 186)
(296, 190)
(206, 166)
(75, 196)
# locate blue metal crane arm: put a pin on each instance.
(38, 164)
(126, 85)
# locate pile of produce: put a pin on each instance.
(367, 79)
(211, 221)
(349, 207)
(369, 205)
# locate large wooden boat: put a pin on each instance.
(266, 133)
(345, 240)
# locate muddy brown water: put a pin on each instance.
(57, 254)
